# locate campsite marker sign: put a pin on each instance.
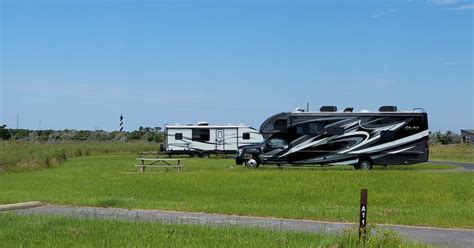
(363, 214)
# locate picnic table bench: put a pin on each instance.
(159, 162)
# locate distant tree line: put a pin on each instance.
(143, 133)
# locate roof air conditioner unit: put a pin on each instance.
(348, 110)
(328, 109)
(388, 109)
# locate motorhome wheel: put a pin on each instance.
(365, 165)
(252, 163)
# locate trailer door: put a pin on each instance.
(220, 140)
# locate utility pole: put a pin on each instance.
(17, 121)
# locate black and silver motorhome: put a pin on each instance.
(204, 139)
(362, 139)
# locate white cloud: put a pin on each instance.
(443, 2)
(452, 4)
(109, 91)
(457, 62)
(462, 7)
(383, 13)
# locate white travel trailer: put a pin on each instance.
(203, 139)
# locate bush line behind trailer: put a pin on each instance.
(361, 139)
(203, 139)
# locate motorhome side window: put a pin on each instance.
(200, 134)
(316, 128)
(302, 129)
(310, 128)
(246, 136)
(388, 120)
(280, 124)
(178, 136)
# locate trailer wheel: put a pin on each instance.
(253, 163)
(365, 164)
(195, 155)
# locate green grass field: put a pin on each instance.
(48, 231)
(402, 195)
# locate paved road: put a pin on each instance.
(440, 236)
(467, 166)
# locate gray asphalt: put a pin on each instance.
(442, 237)
(467, 166)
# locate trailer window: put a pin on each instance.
(178, 136)
(246, 136)
(200, 134)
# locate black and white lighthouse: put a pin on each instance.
(121, 123)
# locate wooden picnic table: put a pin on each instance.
(159, 162)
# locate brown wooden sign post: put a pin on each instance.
(363, 214)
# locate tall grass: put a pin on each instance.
(459, 152)
(27, 156)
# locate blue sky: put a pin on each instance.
(80, 64)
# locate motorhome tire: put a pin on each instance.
(253, 163)
(365, 164)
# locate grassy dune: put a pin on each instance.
(42, 231)
(400, 195)
(460, 153)
(28, 156)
